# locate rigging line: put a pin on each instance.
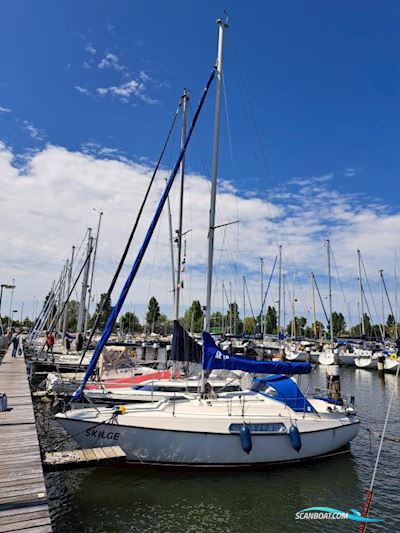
(248, 296)
(130, 239)
(112, 317)
(197, 136)
(320, 298)
(387, 294)
(372, 299)
(228, 125)
(370, 314)
(340, 283)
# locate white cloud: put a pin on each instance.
(81, 90)
(111, 61)
(90, 49)
(36, 236)
(32, 131)
(125, 91)
(350, 172)
(5, 109)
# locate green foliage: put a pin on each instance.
(338, 323)
(271, 320)
(72, 315)
(153, 313)
(193, 318)
(107, 310)
(249, 325)
(299, 326)
(129, 323)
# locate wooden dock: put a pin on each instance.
(23, 496)
(83, 458)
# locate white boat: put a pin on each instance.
(272, 423)
(327, 357)
(391, 363)
(243, 429)
(366, 359)
(346, 358)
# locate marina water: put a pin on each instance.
(131, 499)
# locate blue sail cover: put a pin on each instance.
(285, 390)
(214, 358)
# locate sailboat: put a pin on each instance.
(272, 422)
(329, 355)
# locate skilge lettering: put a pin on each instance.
(102, 434)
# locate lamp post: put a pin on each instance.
(4, 286)
(12, 315)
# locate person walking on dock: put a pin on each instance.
(50, 343)
(15, 343)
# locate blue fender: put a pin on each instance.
(295, 439)
(245, 438)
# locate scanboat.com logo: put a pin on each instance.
(327, 513)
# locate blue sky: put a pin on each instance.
(322, 78)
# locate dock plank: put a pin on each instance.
(23, 496)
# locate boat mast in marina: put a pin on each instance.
(361, 296)
(96, 242)
(328, 247)
(82, 303)
(279, 290)
(70, 267)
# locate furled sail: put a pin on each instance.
(214, 358)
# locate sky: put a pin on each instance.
(309, 143)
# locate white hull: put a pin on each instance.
(198, 433)
(206, 449)
(390, 365)
(346, 359)
(366, 363)
(326, 358)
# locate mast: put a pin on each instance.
(361, 295)
(185, 99)
(279, 290)
(313, 305)
(214, 172)
(284, 302)
(92, 273)
(328, 244)
(82, 303)
(395, 296)
(69, 266)
(294, 307)
(244, 304)
(262, 295)
(383, 306)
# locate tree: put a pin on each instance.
(107, 310)
(271, 321)
(153, 313)
(193, 317)
(232, 320)
(217, 322)
(72, 314)
(130, 323)
(390, 326)
(299, 326)
(319, 329)
(338, 323)
(249, 325)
